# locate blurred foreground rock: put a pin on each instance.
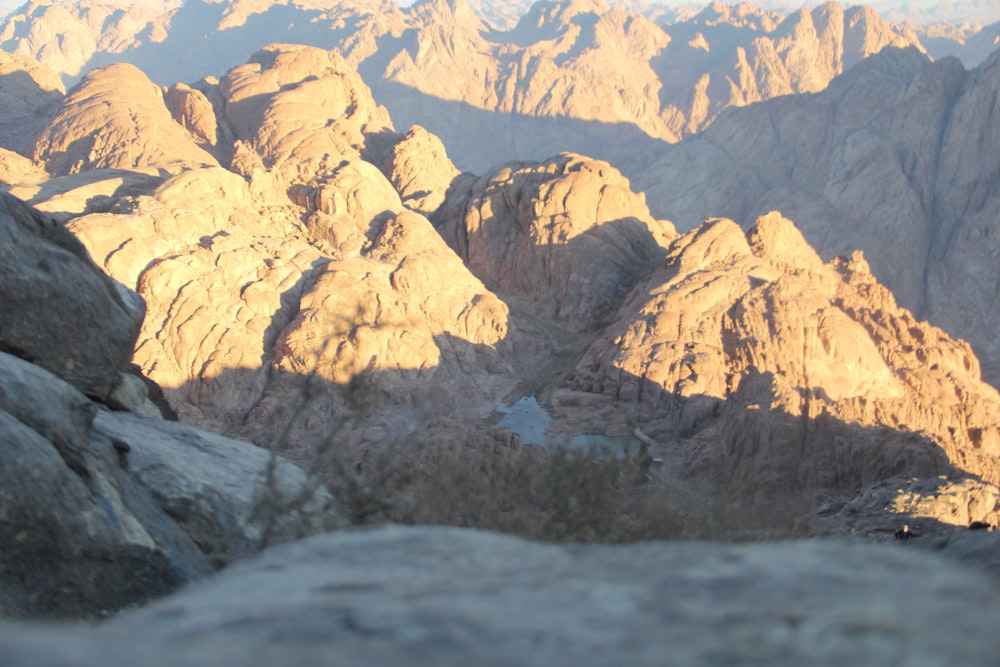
(102, 509)
(405, 596)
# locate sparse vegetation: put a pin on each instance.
(483, 481)
(564, 495)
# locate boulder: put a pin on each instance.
(84, 334)
(80, 534)
(444, 596)
(104, 510)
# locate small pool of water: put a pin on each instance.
(530, 420)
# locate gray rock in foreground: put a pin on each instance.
(100, 510)
(444, 596)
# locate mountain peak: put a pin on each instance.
(776, 239)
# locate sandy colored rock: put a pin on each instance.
(567, 234)
(420, 170)
(302, 109)
(15, 168)
(30, 94)
(747, 357)
(923, 504)
(65, 37)
(307, 268)
(891, 159)
(115, 118)
(591, 77)
(65, 197)
(194, 112)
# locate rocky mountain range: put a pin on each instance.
(894, 158)
(310, 272)
(575, 75)
(732, 321)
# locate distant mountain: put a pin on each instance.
(572, 75)
(896, 157)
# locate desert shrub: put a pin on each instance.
(562, 495)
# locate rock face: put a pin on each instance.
(29, 94)
(607, 72)
(65, 36)
(107, 509)
(567, 234)
(40, 259)
(909, 180)
(302, 109)
(308, 269)
(465, 597)
(767, 371)
(420, 170)
(116, 118)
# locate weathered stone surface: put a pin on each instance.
(85, 335)
(79, 533)
(892, 159)
(765, 371)
(567, 234)
(107, 509)
(231, 498)
(15, 168)
(65, 37)
(399, 596)
(29, 93)
(419, 168)
(302, 109)
(926, 505)
(194, 112)
(65, 197)
(116, 118)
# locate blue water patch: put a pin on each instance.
(528, 419)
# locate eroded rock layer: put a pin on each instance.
(759, 366)
(895, 158)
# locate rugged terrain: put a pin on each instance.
(105, 504)
(895, 158)
(618, 76)
(268, 255)
(312, 276)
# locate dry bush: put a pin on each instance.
(563, 495)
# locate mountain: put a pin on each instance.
(264, 256)
(892, 159)
(759, 369)
(29, 92)
(604, 73)
(258, 281)
(571, 75)
(312, 276)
